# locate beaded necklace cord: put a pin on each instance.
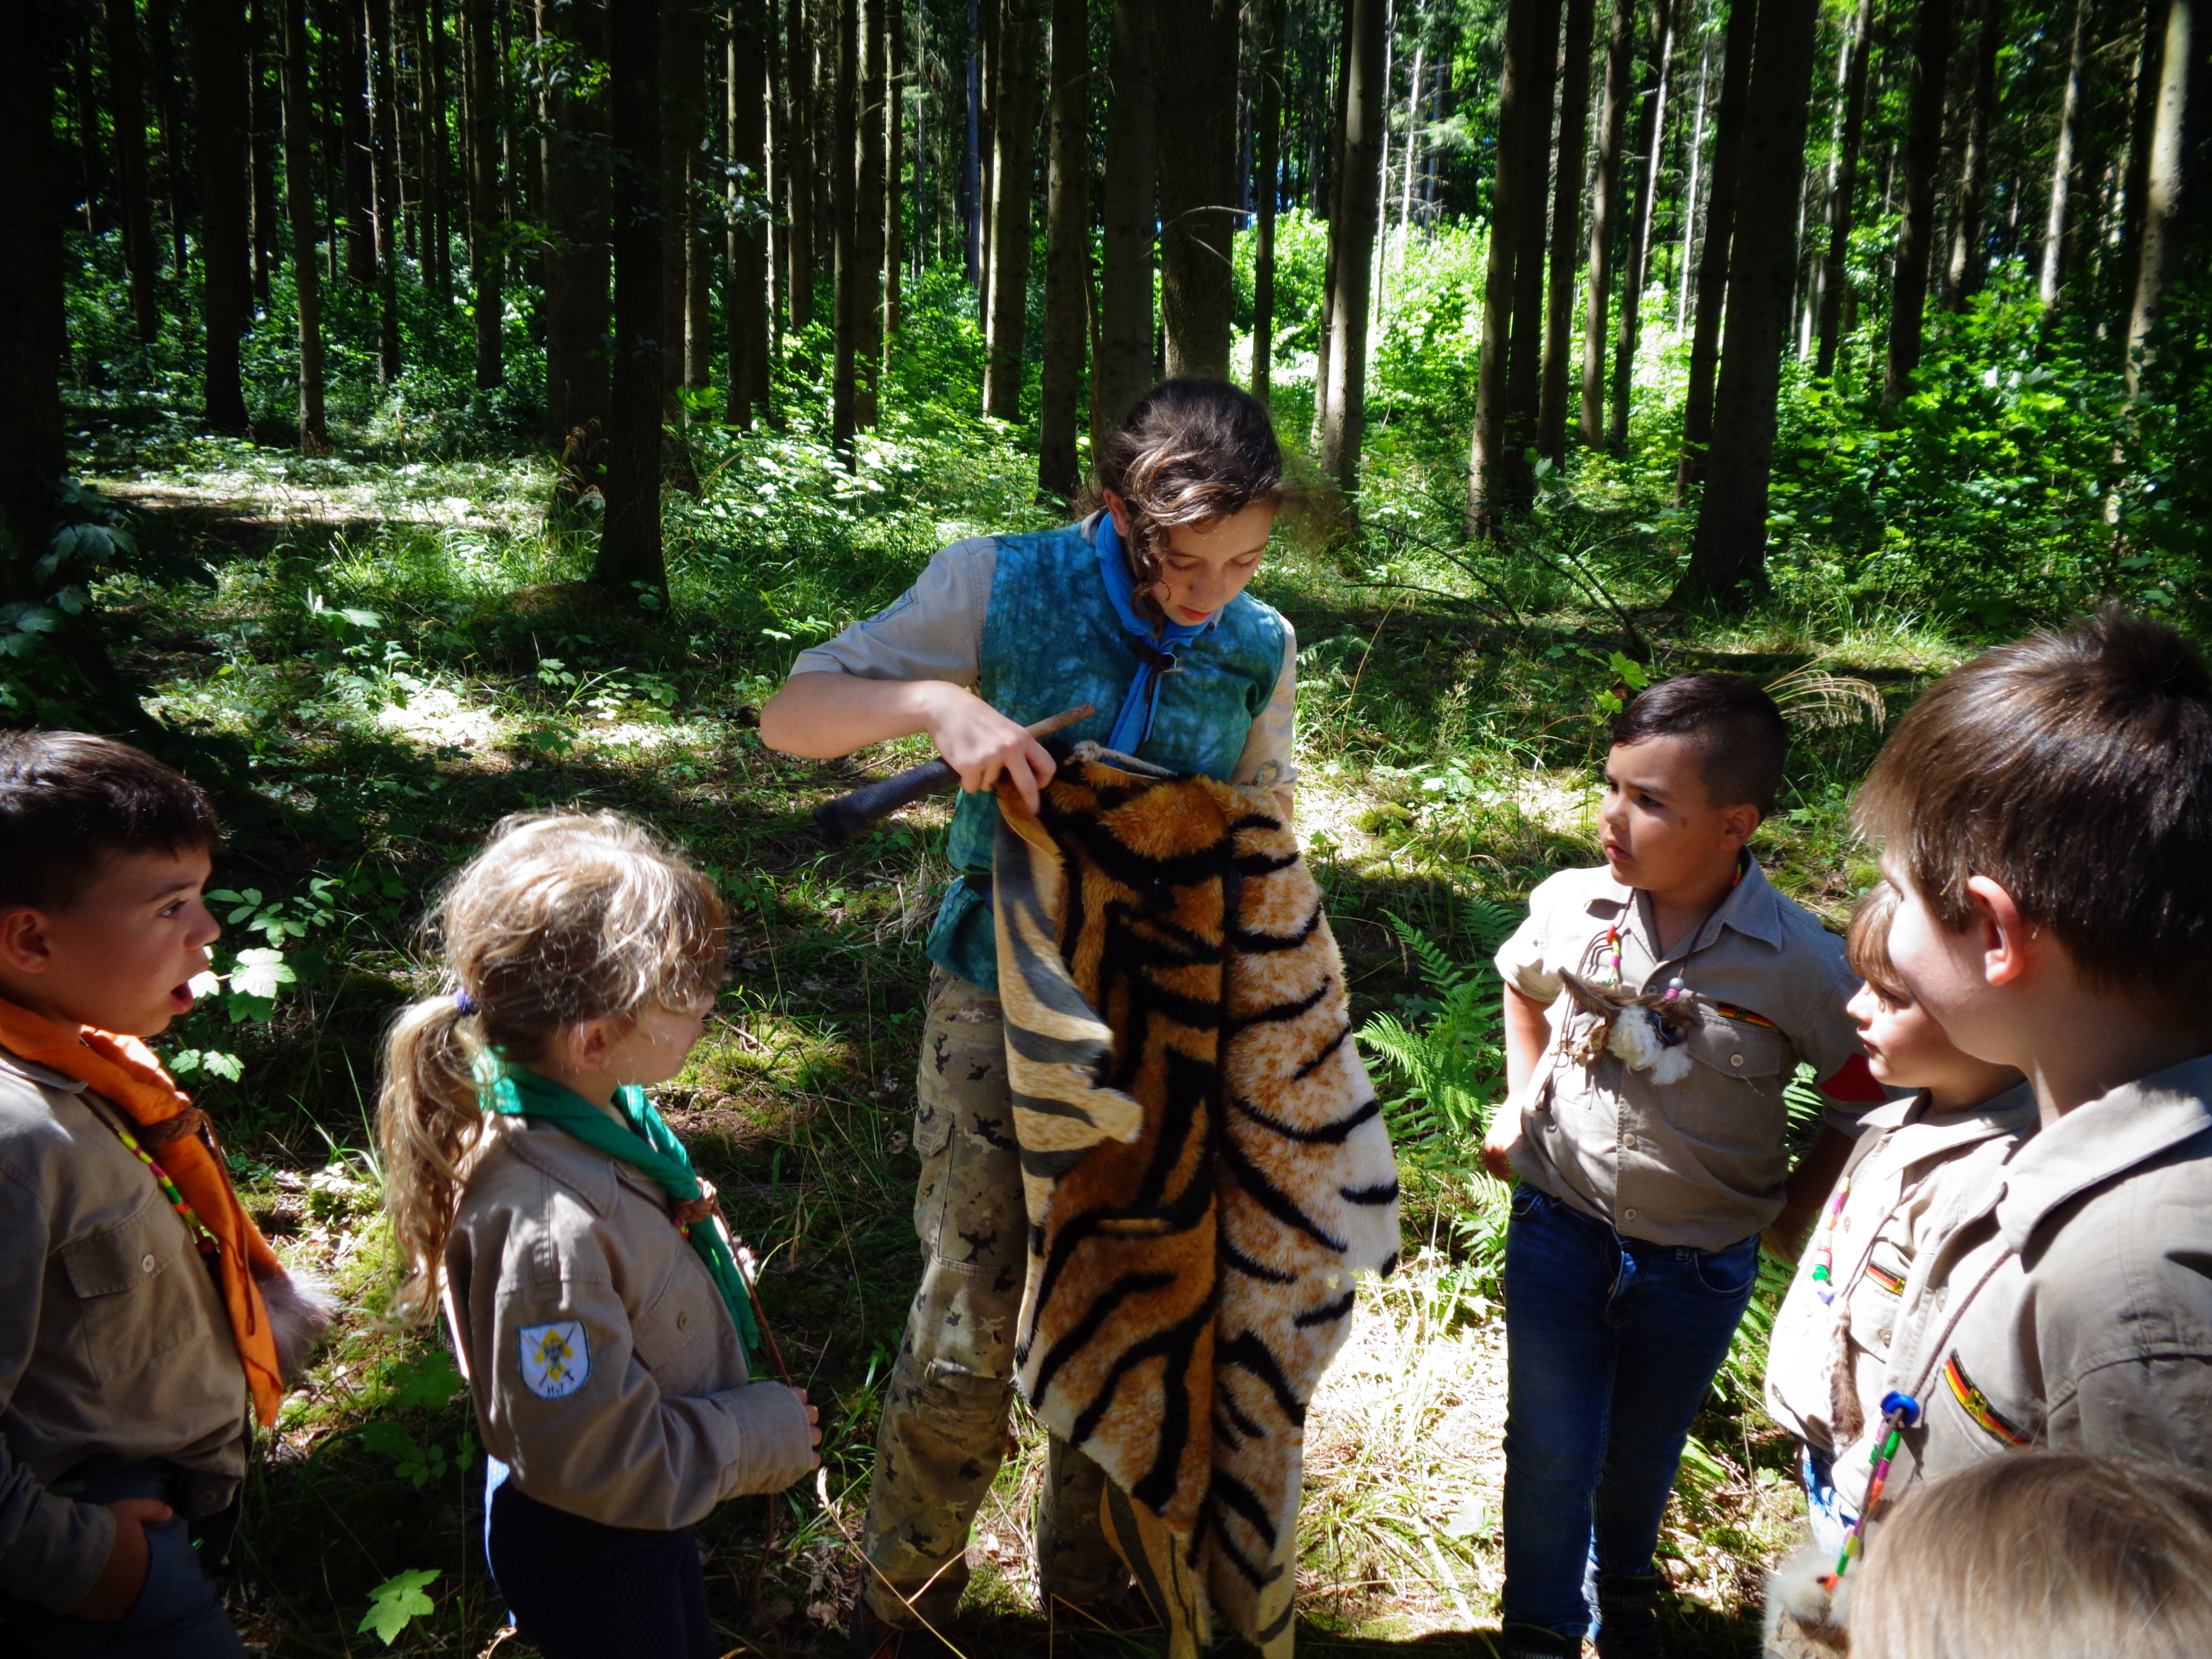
(1613, 934)
(202, 1238)
(1824, 1259)
(1899, 1412)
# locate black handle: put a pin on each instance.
(847, 814)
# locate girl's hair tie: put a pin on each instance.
(465, 1004)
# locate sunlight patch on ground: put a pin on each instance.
(438, 716)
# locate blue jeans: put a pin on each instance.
(1611, 1344)
(178, 1615)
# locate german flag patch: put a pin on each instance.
(1977, 1405)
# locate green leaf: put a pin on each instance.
(258, 973)
(397, 1603)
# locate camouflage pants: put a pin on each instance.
(944, 1431)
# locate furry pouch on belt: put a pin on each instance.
(1205, 1167)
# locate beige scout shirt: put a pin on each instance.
(2068, 1306)
(605, 1368)
(112, 1335)
(934, 631)
(1700, 1161)
(1875, 1225)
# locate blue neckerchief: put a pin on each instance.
(1157, 643)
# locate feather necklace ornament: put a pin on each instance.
(1647, 1031)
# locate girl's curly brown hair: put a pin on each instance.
(1191, 453)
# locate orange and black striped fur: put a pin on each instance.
(1205, 1165)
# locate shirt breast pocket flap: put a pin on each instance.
(1738, 1048)
(111, 1272)
(670, 1326)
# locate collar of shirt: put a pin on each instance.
(45, 1076)
(2105, 1138)
(592, 1175)
(1752, 908)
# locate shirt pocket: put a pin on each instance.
(1877, 1299)
(130, 1308)
(1730, 1103)
(673, 1335)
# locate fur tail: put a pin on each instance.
(299, 1309)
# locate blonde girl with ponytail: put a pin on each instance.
(538, 1196)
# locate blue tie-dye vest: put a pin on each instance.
(1051, 640)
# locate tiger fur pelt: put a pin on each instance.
(1205, 1167)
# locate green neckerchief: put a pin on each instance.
(648, 1145)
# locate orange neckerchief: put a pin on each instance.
(123, 1070)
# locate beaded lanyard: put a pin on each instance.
(1899, 1412)
(1612, 939)
(204, 1240)
(1824, 1259)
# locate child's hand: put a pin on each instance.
(115, 1592)
(1504, 1135)
(813, 1424)
(979, 743)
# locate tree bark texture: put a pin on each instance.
(1013, 179)
(1266, 166)
(32, 331)
(2164, 192)
(2064, 147)
(1968, 262)
(1493, 476)
(384, 84)
(578, 186)
(127, 108)
(359, 139)
(1728, 558)
(1650, 144)
(1067, 252)
(800, 126)
(746, 303)
(1333, 190)
(1932, 34)
(1353, 209)
(1123, 372)
(1730, 118)
(844, 153)
(221, 54)
(683, 132)
(1525, 355)
(1835, 270)
(438, 268)
(487, 251)
(1566, 231)
(630, 534)
(300, 200)
(895, 159)
(1606, 214)
(868, 210)
(1198, 192)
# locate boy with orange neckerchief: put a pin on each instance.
(141, 1314)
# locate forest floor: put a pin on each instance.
(385, 655)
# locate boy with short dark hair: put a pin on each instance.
(1654, 1008)
(2045, 813)
(141, 1314)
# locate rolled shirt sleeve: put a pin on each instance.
(1270, 753)
(933, 631)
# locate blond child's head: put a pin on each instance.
(2040, 1556)
(580, 945)
(1905, 1048)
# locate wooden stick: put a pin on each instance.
(849, 814)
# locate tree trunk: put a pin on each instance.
(1728, 559)
(629, 561)
(683, 130)
(1566, 232)
(1333, 189)
(221, 54)
(579, 188)
(262, 145)
(487, 273)
(1011, 184)
(127, 106)
(1924, 160)
(34, 331)
(989, 13)
(1067, 251)
(1964, 271)
(2126, 246)
(2064, 148)
(1835, 272)
(1605, 212)
(799, 128)
(1266, 165)
(844, 155)
(746, 301)
(2164, 192)
(895, 170)
(1123, 371)
(1494, 479)
(438, 268)
(360, 141)
(1730, 118)
(1358, 196)
(385, 157)
(1525, 351)
(299, 199)
(1650, 142)
(164, 65)
(868, 211)
(1198, 188)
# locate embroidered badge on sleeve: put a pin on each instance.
(555, 1358)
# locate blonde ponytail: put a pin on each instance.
(428, 1125)
(563, 917)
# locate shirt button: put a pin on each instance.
(1628, 1140)
(1628, 1215)
(1735, 1059)
(145, 1262)
(682, 1321)
(1885, 1335)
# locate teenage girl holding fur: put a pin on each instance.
(1140, 610)
(592, 1296)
